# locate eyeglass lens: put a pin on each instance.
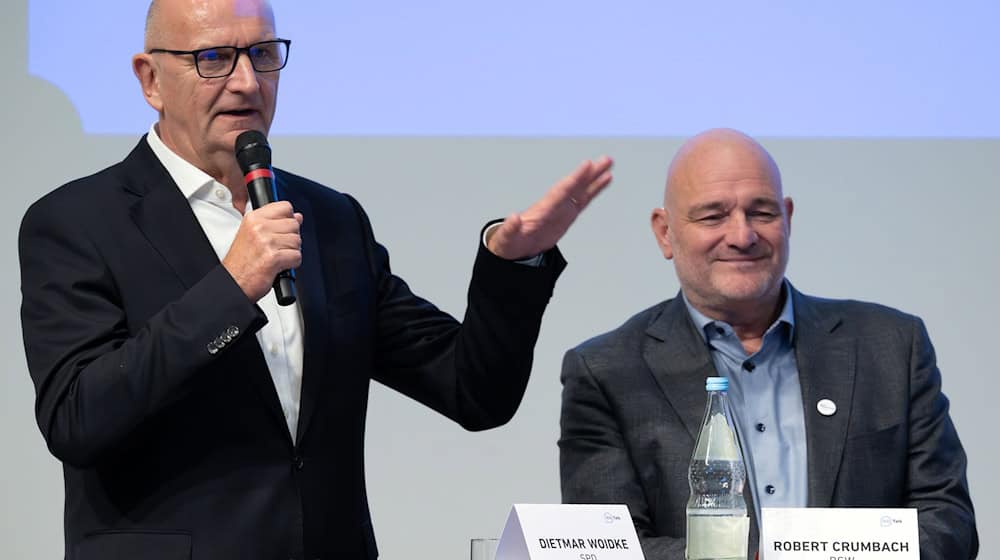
(220, 61)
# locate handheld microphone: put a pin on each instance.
(254, 156)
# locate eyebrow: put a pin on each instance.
(708, 207)
(719, 206)
(766, 202)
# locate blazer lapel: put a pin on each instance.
(310, 286)
(165, 218)
(680, 362)
(826, 364)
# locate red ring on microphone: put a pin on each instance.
(258, 173)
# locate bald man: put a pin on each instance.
(195, 417)
(633, 398)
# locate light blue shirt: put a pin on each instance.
(766, 404)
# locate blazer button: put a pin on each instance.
(233, 331)
(298, 462)
(212, 348)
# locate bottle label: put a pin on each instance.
(713, 537)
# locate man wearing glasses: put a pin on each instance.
(194, 416)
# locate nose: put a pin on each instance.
(244, 77)
(741, 234)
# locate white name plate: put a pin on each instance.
(839, 534)
(569, 532)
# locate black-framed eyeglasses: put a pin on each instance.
(219, 62)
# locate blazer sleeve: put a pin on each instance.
(474, 372)
(937, 484)
(594, 463)
(96, 381)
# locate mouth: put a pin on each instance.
(239, 113)
(745, 263)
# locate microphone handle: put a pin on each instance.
(261, 191)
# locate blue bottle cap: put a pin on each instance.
(717, 384)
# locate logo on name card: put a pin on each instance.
(610, 517)
(887, 521)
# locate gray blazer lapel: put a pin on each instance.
(826, 364)
(680, 362)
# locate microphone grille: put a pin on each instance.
(252, 151)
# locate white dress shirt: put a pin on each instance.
(281, 338)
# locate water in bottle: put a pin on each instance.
(717, 523)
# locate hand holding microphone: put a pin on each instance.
(267, 245)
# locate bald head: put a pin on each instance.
(718, 155)
(164, 16)
(151, 38)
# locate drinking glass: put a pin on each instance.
(483, 549)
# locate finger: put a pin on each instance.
(588, 184)
(288, 258)
(278, 209)
(284, 242)
(578, 176)
(595, 169)
(598, 185)
(284, 225)
(298, 216)
(599, 167)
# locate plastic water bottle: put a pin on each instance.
(717, 523)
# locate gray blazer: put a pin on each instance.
(633, 401)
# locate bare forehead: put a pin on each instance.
(722, 166)
(194, 19)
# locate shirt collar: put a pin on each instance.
(189, 179)
(787, 316)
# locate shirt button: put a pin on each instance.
(273, 349)
(761, 427)
(770, 489)
(220, 194)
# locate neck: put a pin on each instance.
(221, 166)
(749, 320)
(225, 170)
(233, 180)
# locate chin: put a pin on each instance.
(747, 289)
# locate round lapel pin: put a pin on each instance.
(826, 407)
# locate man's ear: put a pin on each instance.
(658, 221)
(149, 80)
